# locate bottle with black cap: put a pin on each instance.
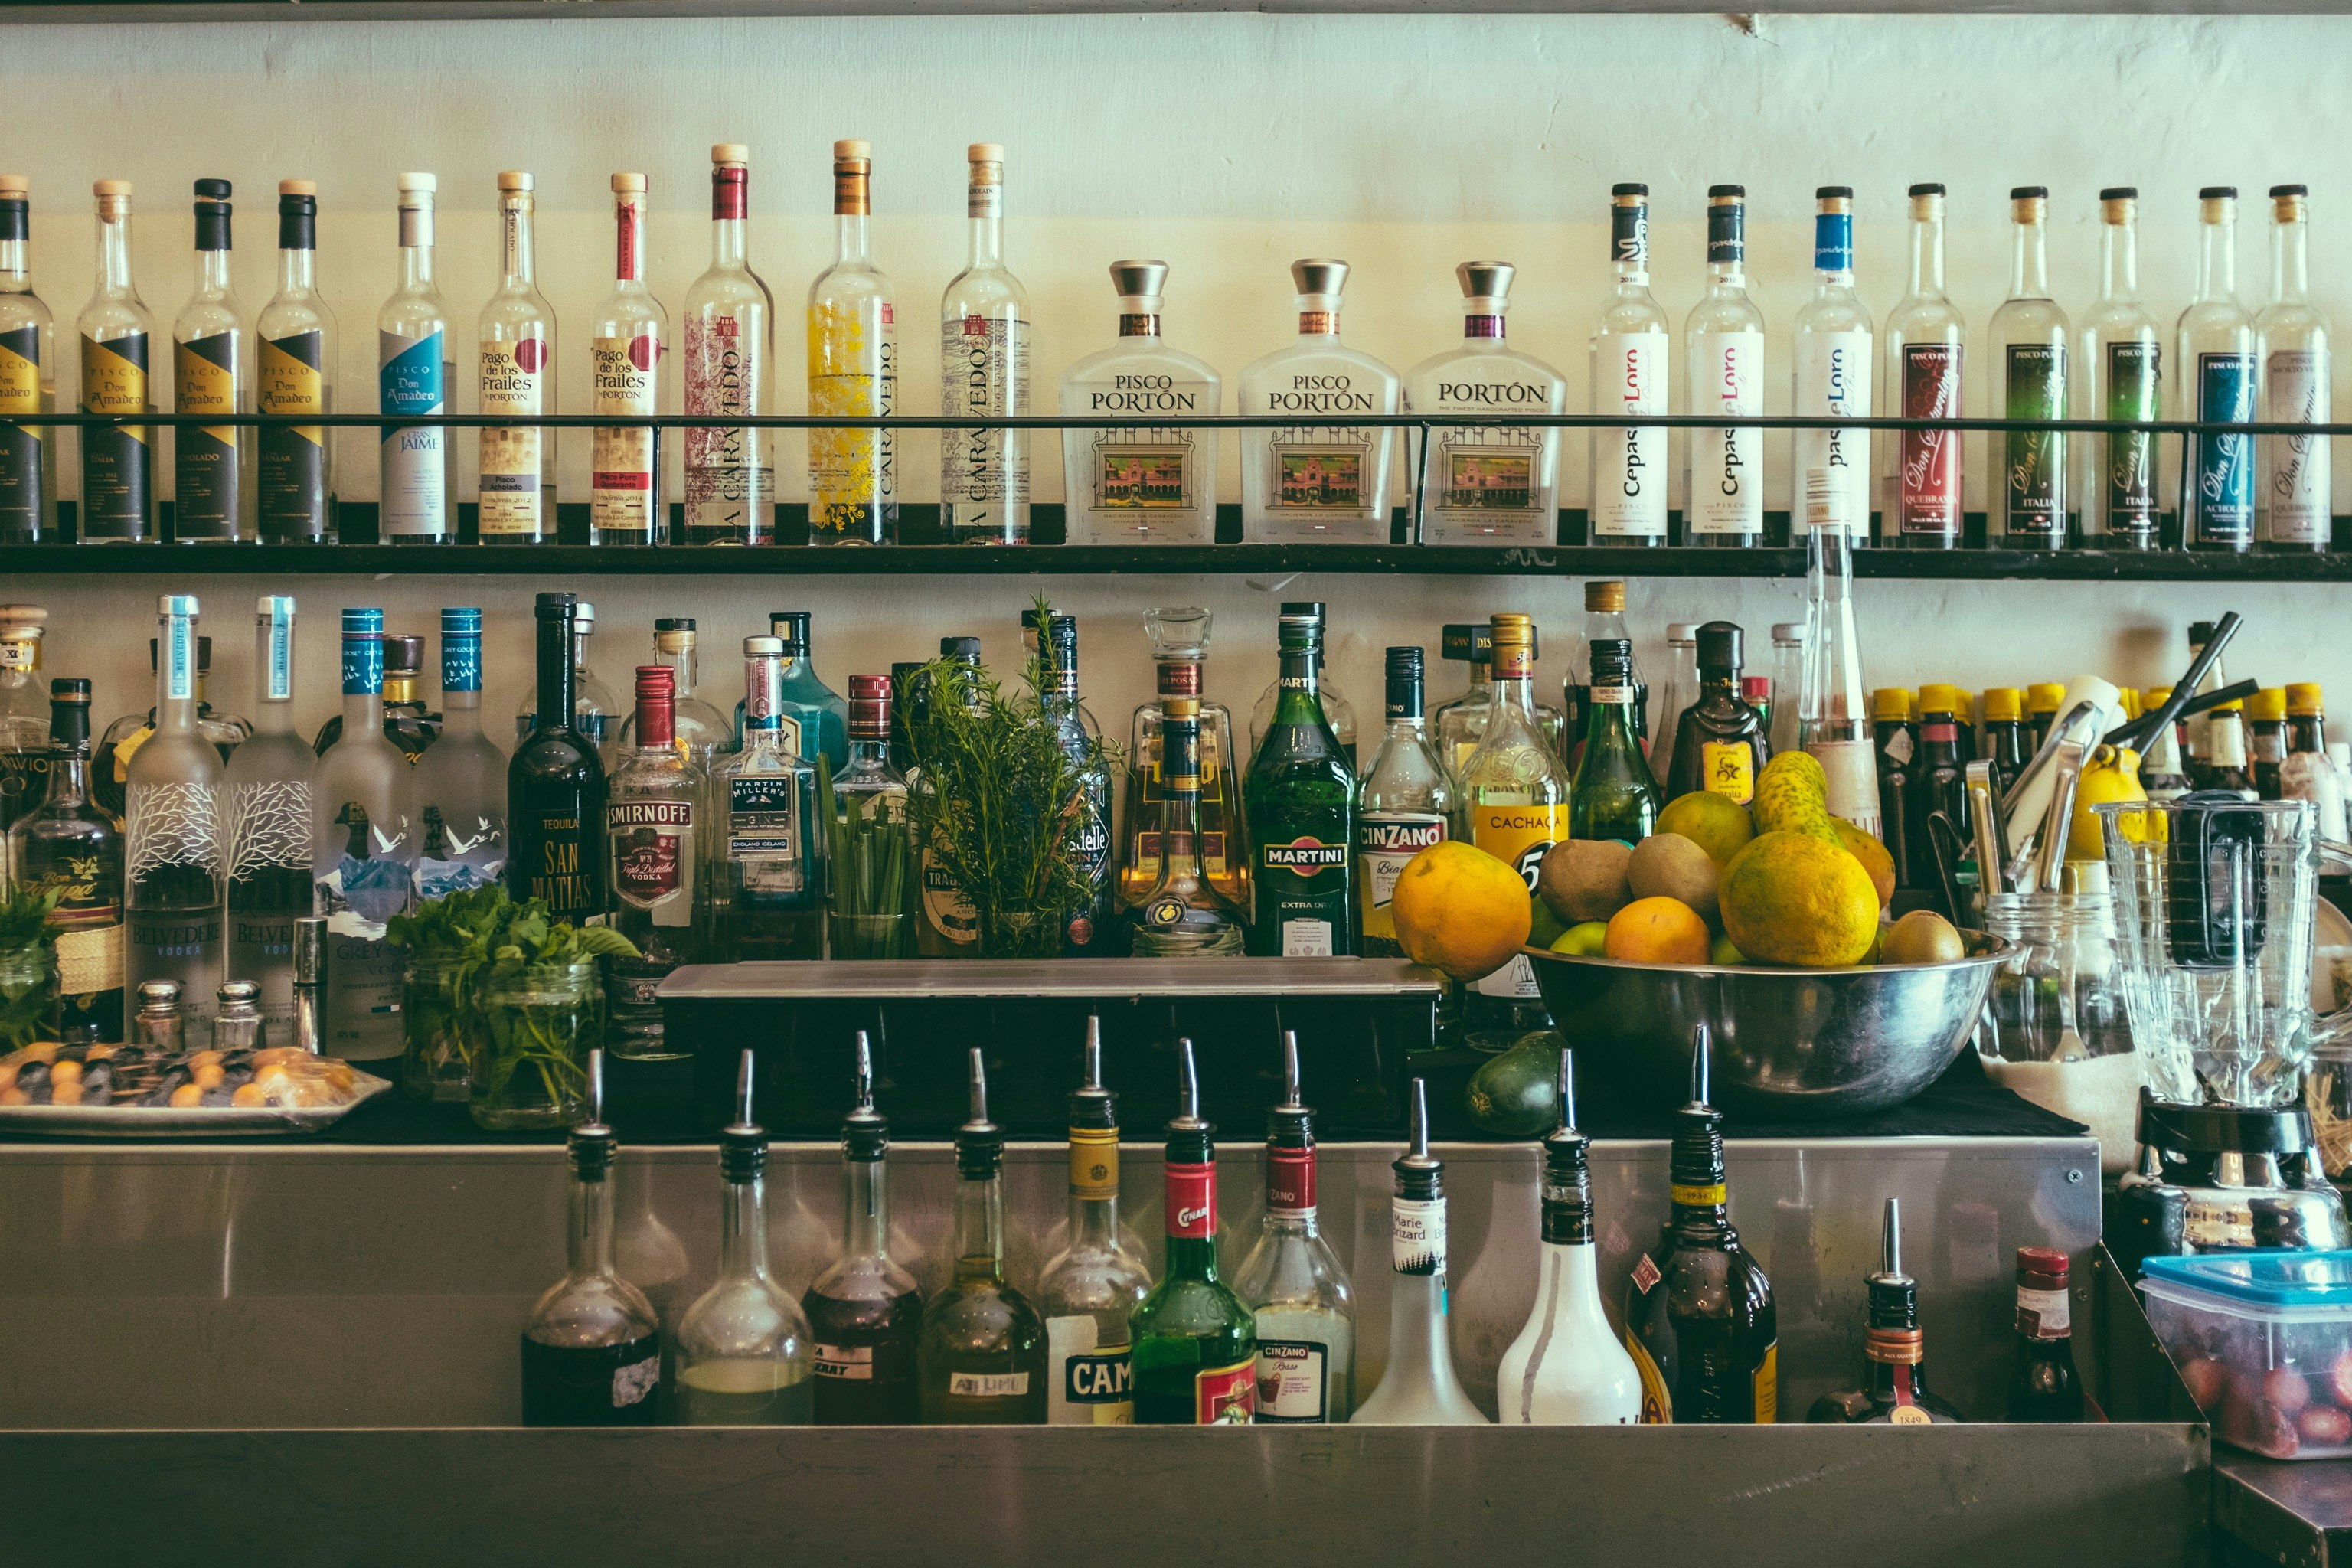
(1338, 711)
(981, 1360)
(1631, 371)
(1926, 341)
(1723, 503)
(1418, 1387)
(2025, 488)
(592, 1345)
(2215, 377)
(865, 1310)
(1830, 485)
(2123, 347)
(211, 372)
(555, 785)
(1402, 807)
(29, 331)
(767, 844)
(1293, 1283)
(1195, 1342)
(294, 489)
(2295, 510)
(67, 845)
(1088, 1291)
(1719, 740)
(1300, 795)
(1894, 1390)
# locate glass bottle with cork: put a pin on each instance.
(1604, 619)
(1925, 342)
(627, 339)
(71, 847)
(29, 331)
(853, 371)
(1088, 1291)
(1893, 1350)
(2122, 352)
(985, 345)
(1301, 796)
(1516, 796)
(2215, 378)
(1406, 803)
(1179, 649)
(1419, 1386)
(2295, 363)
(729, 323)
(118, 461)
(2026, 490)
(1720, 741)
(980, 1360)
(864, 1310)
(1293, 1283)
(1195, 1342)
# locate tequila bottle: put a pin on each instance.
(1893, 1350)
(118, 462)
(1723, 503)
(699, 731)
(1406, 801)
(174, 879)
(211, 372)
(730, 338)
(362, 856)
(1195, 1342)
(864, 1310)
(984, 370)
(2215, 369)
(1180, 647)
(596, 714)
(626, 340)
(1614, 794)
(517, 337)
(1927, 341)
(25, 712)
(654, 807)
(1301, 790)
(459, 787)
(853, 371)
(2297, 509)
(294, 489)
(1090, 1287)
(870, 884)
(71, 847)
(1831, 483)
(2122, 359)
(1326, 479)
(269, 824)
(767, 870)
(1719, 740)
(1418, 1387)
(28, 380)
(1293, 1283)
(1143, 483)
(1486, 484)
(2025, 489)
(555, 785)
(1516, 795)
(1185, 914)
(816, 718)
(413, 376)
(1631, 375)
(982, 1359)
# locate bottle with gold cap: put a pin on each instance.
(1604, 619)
(730, 322)
(118, 462)
(853, 370)
(2025, 493)
(984, 331)
(28, 380)
(2006, 744)
(2293, 346)
(412, 377)
(211, 372)
(2214, 377)
(2307, 773)
(1486, 484)
(2266, 738)
(1926, 338)
(1517, 799)
(294, 487)
(1937, 776)
(1631, 371)
(1323, 478)
(2122, 354)
(625, 342)
(1896, 743)
(517, 337)
(1142, 484)
(1723, 501)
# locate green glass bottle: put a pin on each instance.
(1300, 801)
(1195, 1343)
(981, 1358)
(1614, 795)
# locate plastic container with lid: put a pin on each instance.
(2264, 1340)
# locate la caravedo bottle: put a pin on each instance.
(865, 1310)
(1195, 1342)
(1893, 1350)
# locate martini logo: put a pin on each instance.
(1305, 856)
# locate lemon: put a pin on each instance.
(1715, 823)
(1793, 898)
(2113, 775)
(1461, 910)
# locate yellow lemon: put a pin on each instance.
(1793, 898)
(1461, 910)
(1716, 824)
(2113, 775)
(1871, 853)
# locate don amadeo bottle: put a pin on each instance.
(1830, 487)
(2214, 372)
(176, 881)
(412, 377)
(865, 1308)
(1141, 484)
(1418, 1387)
(1490, 484)
(729, 322)
(1724, 506)
(1926, 341)
(2025, 489)
(1566, 1368)
(2121, 363)
(211, 372)
(2296, 509)
(28, 380)
(118, 462)
(1293, 1283)
(984, 370)
(1328, 479)
(1631, 375)
(1090, 1289)
(626, 344)
(294, 489)
(853, 370)
(517, 337)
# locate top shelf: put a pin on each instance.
(541, 10)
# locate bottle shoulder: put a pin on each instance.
(517, 312)
(282, 758)
(413, 313)
(728, 291)
(627, 312)
(113, 315)
(1832, 309)
(849, 283)
(2293, 324)
(2223, 324)
(1925, 318)
(289, 314)
(2027, 321)
(22, 308)
(209, 313)
(982, 291)
(1725, 312)
(1631, 313)
(749, 1314)
(2119, 321)
(1470, 366)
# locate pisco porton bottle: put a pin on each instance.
(118, 461)
(864, 1310)
(211, 372)
(1293, 1283)
(1723, 501)
(853, 370)
(1195, 1341)
(28, 380)
(1831, 478)
(2121, 368)
(2296, 511)
(174, 880)
(517, 340)
(1323, 477)
(1631, 375)
(412, 377)
(1517, 798)
(1418, 1387)
(294, 483)
(1925, 347)
(1141, 484)
(1403, 806)
(2215, 371)
(729, 323)
(982, 1359)
(268, 823)
(363, 854)
(984, 332)
(1486, 484)
(627, 338)
(2025, 487)
(1088, 1291)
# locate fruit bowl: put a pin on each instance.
(1791, 1044)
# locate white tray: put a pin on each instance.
(187, 1120)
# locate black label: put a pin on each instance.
(292, 485)
(206, 483)
(117, 467)
(20, 447)
(1567, 1214)
(1104, 1378)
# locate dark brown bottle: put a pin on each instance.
(865, 1311)
(555, 786)
(1719, 744)
(2045, 1386)
(1939, 779)
(1897, 742)
(1895, 1391)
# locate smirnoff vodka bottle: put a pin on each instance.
(1141, 484)
(2121, 361)
(412, 377)
(1492, 484)
(984, 370)
(2296, 506)
(1831, 487)
(1724, 505)
(1926, 341)
(730, 336)
(2025, 492)
(1324, 480)
(2214, 369)
(1630, 376)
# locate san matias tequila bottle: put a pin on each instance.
(1180, 647)
(295, 487)
(2026, 490)
(28, 380)
(626, 342)
(268, 815)
(362, 853)
(1893, 1350)
(412, 377)
(1926, 342)
(864, 1308)
(1301, 792)
(1419, 1386)
(853, 371)
(176, 879)
(1723, 506)
(1630, 376)
(1407, 800)
(69, 847)
(517, 337)
(118, 461)
(1293, 1283)
(729, 320)
(1185, 914)
(1486, 484)
(1090, 1289)
(1195, 1342)
(981, 1362)
(767, 872)
(2297, 509)
(1831, 482)
(2122, 356)
(984, 369)
(1516, 796)
(211, 372)
(555, 784)
(1322, 479)
(2216, 371)
(1145, 483)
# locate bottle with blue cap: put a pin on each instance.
(174, 879)
(1830, 478)
(363, 854)
(269, 817)
(460, 787)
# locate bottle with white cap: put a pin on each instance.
(624, 344)
(1140, 483)
(118, 462)
(1322, 479)
(412, 377)
(729, 322)
(1486, 484)
(28, 380)
(295, 489)
(853, 358)
(211, 372)
(984, 332)
(2296, 369)
(174, 879)
(516, 465)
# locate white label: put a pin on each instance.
(631, 1383)
(1417, 1236)
(1726, 481)
(988, 1384)
(2043, 1314)
(1850, 768)
(1833, 467)
(1606, 694)
(1629, 465)
(1514, 982)
(1306, 939)
(1292, 1380)
(2301, 501)
(414, 489)
(514, 380)
(625, 373)
(853, 1363)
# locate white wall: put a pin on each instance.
(1228, 146)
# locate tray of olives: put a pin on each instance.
(140, 1092)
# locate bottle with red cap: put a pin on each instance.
(2045, 1387)
(869, 903)
(653, 823)
(1293, 1283)
(1195, 1354)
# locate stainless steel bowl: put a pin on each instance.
(1796, 1044)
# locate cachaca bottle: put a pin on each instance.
(2045, 1386)
(982, 1359)
(1185, 914)
(1088, 1291)
(1515, 798)
(1566, 1368)
(1418, 1387)
(1614, 795)
(1893, 1350)
(1698, 1314)
(268, 811)
(591, 1348)
(1301, 795)
(730, 326)
(1719, 740)
(2215, 378)
(118, 461)
(865, 1310)
(1195, 1342)
(1406, 801)
(1293, 1283)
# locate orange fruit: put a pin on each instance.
(1460, 909)
(1793, 898)
(1657, 930)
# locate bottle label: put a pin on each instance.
(21, 480)
(1567, 1214)
(1293, 1382)
(727, 484)
(1191, 1198)
(1728, 463)
(653, 858)
(2299, 481)
(1303, 889)
(2222, 500)
(2129, 476)
(950, 914)
(1417, 1236)
(116, 495)
(1321, 476)
(853, 371)
(1490, 471)
(625, 373)
(2044, 1314)
(1385, 844)
(514, 380)
(1142, 470)
(2034, 461)
(1927, 462)
(984, 370)
(291, 481)
(589, 1385)
(1519, 837)
(1697, 1194)
(1833, 466)
(1225, 1395)
(1764, 1386)
(1629, 465)
(1728, 768)
(413, 379)
(561, 875)
(1093, 1162)
(851, 1363)
(1850, 771)
(1290, 1182)
(1657, 1402)
(988, 1384)
(1093, 1384)
(208, 483)
(763, 834)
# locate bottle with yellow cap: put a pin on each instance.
(2293, 344)
(2004, 736)
(294, 486)
(853, 370)
(1896, 743)
(412, 377)
(211, 372)
(1939, 776)
(625, 342)
(2266, 738)
(2041, 703)
(518, 377)
(2025, 498)
(2308, 773)
(118, 461)
(28, 380)
(2214, 369)
(984, 327)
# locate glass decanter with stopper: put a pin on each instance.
(1180, 647)
(1292, 1282)
(1088, 1292)
(1184, 915)
(864, 1310)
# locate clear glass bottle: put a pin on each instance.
(1486, 484)
(1090, 1289)
(981, 1360)
(111, 765)
(1926, 348)
(294, 486)
(864, 1308)
(2215, 371)
(1833, 712)
(984, 332)
(1605, 620)
(2025, 484)
(517, 340)
(1301, 788)
(1403, 806)
(363, 854)
(1789, 642)
(1327, 481)
(118, 462)
(626, 340)
(174, 879)
(458, 788)
(1680, 691)
(698, 728)
(2122, 372)
(870, 884)
(1185, 913)
(1418, 1387)
(28, 380)
(413, 376)
(1180, 649)
(1829, 478)
(654, 807)
(767, 849)
(2293, 348)
(69, 847)
(946, 923)
(1632, 375)
(211, 372)
(1141, 484)
(729, 320)
(267, 788)
(1723, 499)
(1293, 1283)
(1195, 1343)
(853, 371)
(1516, 796)
(25, 712)
(1893, 1348)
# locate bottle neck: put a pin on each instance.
(114, 253)
(2118, 261)
(15, 267)
(980, 1230)
(869, 753)
(2217, 262)
(177, 701)
(629, 242)
(588, 1240)
(515, 265)
(865, 1216)
(556, 681)
(744, 1230)
(2306, 732)
(1418, 1347)
(1927, 257)
(1094, 1223)
(683, 664)
(70, 776)
(986, 249)
(2029, 262)
(1140, 324)
(212, 272)
(296, 272)
(2291, 262)
(849, 237)
(417, 268)
(728, 243)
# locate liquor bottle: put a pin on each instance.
(111, 763)
(1566, 1368)
(459, 787)
(946, 924)
(269, 824)
(984, 370)
(814, 715)
(2045, 1386)
(2266, 740)
(595, 712)
(2162, 774)
(1613, 795)
(294, 489)
(311, 983)
(1938, 774)
(1834, 717)
(363, 854)
(653, 836)
(1195, 1343)
(1418, 1387)
(1698, 1316)
(767, 854)
(1328, 479)
(1720, 741)
(592, 1347)
(1179, 649)
(1723, 506)
(1185, 914)
(68, 847)
(2025, 489)
(1293, 1283)
(413, 376)
(730, 341)
(1486, 484)
(1301, 795)
(2122, 361)
(2306, 773)
(2216, 368)
(1605, 620)
(2196, 742)
(1894, 743)
(1089, 1289)
(1458, 726)
(25, 712)
(517, 337)
(1831, 483)
(1406, 800)
(175, 877)
(1927, 344)
(118, 462)
(2292, 335)
(2005, 737)
(1775, 694)
(28, 380)
(745, 1355)
(1338, 711)
(211, 372)
(1515, 799)
(698, 730)
(1631, 375)
(1141, 484)
(555, 786)
(1088, 930)
(627, 338)
(2226, 736)
(864, 1310)
(409, 721)
(981, 1360)
(853, 371)
(870, 884)
(1893, 1350)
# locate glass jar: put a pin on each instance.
(2054, 1029)
(28, 986)
(441, 1031)
(537, 1024)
